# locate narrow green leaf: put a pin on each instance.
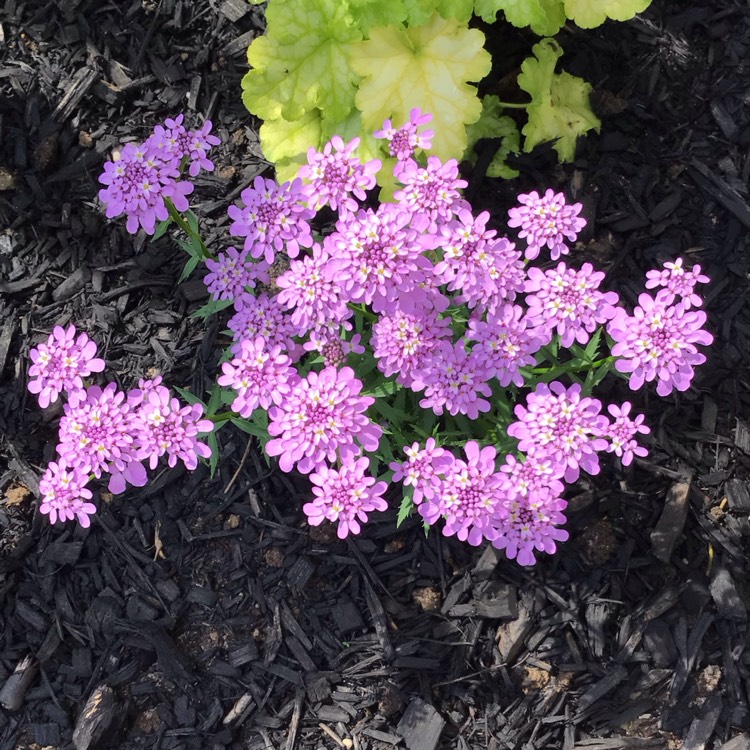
(161, 229)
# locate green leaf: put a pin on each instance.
(491, 124)
(591, 13)
(560, 110)
(213, 443)
(406, 508)
(301, 63)
(593, 345)
(427, 67)
(211, 308)
(419, 12)
(161, 229)
(189, 397)
(545, 17)
(190, 266)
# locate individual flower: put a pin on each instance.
(557, 424)
(453, 380)
(64, 494)
(677, 282)
(400, 341)
(404, 141)
(97, 434)
(262, 316)
(569, 301)
(60, 364)
(623, 432)
(320, 420)
(273, 219)
(546, 221)
(231, 272)
(507, 343)
(336, 176)
(309, 290)
(467, 496)
(376, 256)
(168, 427)
(258, 374)
(422, 468)
(200, 142)
(432, 191)
(486, 269)
(329, 343)
(658, 342)
(137, 184)
(344, 496)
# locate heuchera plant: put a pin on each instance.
(341, 67)
(411, 344)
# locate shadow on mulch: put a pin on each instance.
(203, 612)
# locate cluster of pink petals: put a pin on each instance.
(546, 221)
(422, 468)
(144, 175)
(328, 342)
(659, 342)
(431, 192)
(259, 375)
(569, 301)
(453, 380)
(622, 433)
(344, 496)
(558, 425)
(274, 218)
(404, 141)
(60, 364)
(335, 176)
(401, 340)
(263, 316)
(486, 269)
(231, 272)
(320, 419)
(64, 494)
(507, 342)
(678, 282)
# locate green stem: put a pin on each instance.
(513, 105)
(178, 219)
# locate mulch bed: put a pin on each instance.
(203, 612)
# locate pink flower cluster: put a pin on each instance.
(143, 176)
(107, 430)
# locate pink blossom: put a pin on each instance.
(546, 221)
(658, 342)
(453, 380)
(344, 495)
(569, 301)
(623, 431)
(262, 316)
(557, 424)
(467, 496)
(273, 219)
(173, 142)
(507, 342)
(64, 494)
(60, 364)
(432, 191)
(320, 419)
(258, 374)
(421, 468)
(329, 343)
(404, 141)
(678, 282)
(336, 176)
(231, 272)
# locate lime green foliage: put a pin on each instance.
(559, 108)
(328, 67)
(591, 13)
(427, 67)
(492, 124)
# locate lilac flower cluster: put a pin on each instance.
(142, 176)
(430, 295)
(106, 430)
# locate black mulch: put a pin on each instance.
(204, 613)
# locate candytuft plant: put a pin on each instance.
(412, 344)
(342, 67)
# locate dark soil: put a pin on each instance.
(203, 612)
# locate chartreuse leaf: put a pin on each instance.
(369, 13)
(492, 124)
(545, 17)
(560, 108)
(301, 62)
(427, 67)
(590, 13)
(286, 142)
